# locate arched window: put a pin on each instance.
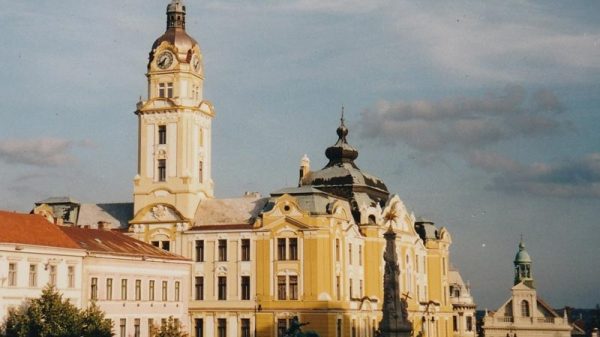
(525, 308)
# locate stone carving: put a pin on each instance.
(159, 212)
(394, 322)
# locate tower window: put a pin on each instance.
(525, 308)
(170, 90)
(162, 134)
(165, 90)
(161, 90)
(200, 171)
(162, 170)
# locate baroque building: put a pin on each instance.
(525, 314)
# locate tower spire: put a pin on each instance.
(523, 266)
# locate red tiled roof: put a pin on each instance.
(32, 229)
(114, 242)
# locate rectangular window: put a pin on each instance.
(199, 250)
(222, 288)
(281, 293)
(349, 253)
(338, 288)
(199, 284)
(245, 287)
(170, 90)
(360, 288)
(12, 274)
(52, 280)
(94, 289)
(350, 285)
(338, 328)
(162, 169)
(166, 245)
(199, 327)
(162, 134)
(124, 289)
(33, 275)
(455, 323)
(245, 249)
(164, 291)
(71, 276)
(281, 249)
(177, 290)
(337, 250)
(293, 287)
(136, 327)
(109, 290)
(200, 171)
(222, 327)
(161, 90)
(245, 323)
(222, 250)
(123, 327)
(469, 323)
(360, 255)
(281, 327)
(156, 243)
(293, 249)
(138, 290)
(151, 290)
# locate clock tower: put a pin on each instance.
(174, 131)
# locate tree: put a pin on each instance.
(52, 316)
(172, 328)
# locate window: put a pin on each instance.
(170, 90)
(94, 289)
(455, 323)
(123, 327)
(360, 288)
(150, 326)
(245, 287)
(222, 250)
(281, 293)
(281, 249)
(245, 327)
(165, 90)
(222, 288)
(71, 276)
(200, 171)
(338, 287)
(294, 249)
(12, 274)
(199, 284)
(52, 280)
(222, 327)
(360, 255)
(162, 170)
(525, 308)
(337, 250)
(162, 134)
(338, 328)
(293, 287)
(469, 323)
(109, 289)
(350, 284)
(166, 245)
(199, 250)
(164, 291)
(32, 275)
(349, 253)
(245, 249)
(199, 327)
(156, 243)
(177, 290)
(281, 327)
(354, 328)
(124, 289)
(161, 90)
(138, 290)
(136, 327)
(151, 290)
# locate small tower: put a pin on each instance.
(394, 322)
(304, 168)
(523, 266)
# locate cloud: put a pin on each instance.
(464, 123)
(42, 152)
(575, 178)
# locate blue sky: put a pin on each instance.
(481, 116)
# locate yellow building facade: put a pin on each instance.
(314, 250)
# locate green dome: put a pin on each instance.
(522, 256)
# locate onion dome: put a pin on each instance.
(175, 33)
(342, 177)
(522, 255)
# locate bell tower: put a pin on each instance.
(174, 126)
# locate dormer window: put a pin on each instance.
(162, 134)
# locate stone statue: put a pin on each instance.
(394, 322)
(295, 329)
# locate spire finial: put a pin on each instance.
(342, 119)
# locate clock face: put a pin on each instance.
(164, 60)
(196, 63)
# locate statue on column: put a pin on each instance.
(395, 310)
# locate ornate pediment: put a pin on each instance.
(158, 213)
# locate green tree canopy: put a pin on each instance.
(52, 316)
(171, 329)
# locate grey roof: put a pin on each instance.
(310, 199)
(298, 190)
(117, 214)
(242, 210)
(427, 230)
(57, 200)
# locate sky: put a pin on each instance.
(482, 116)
